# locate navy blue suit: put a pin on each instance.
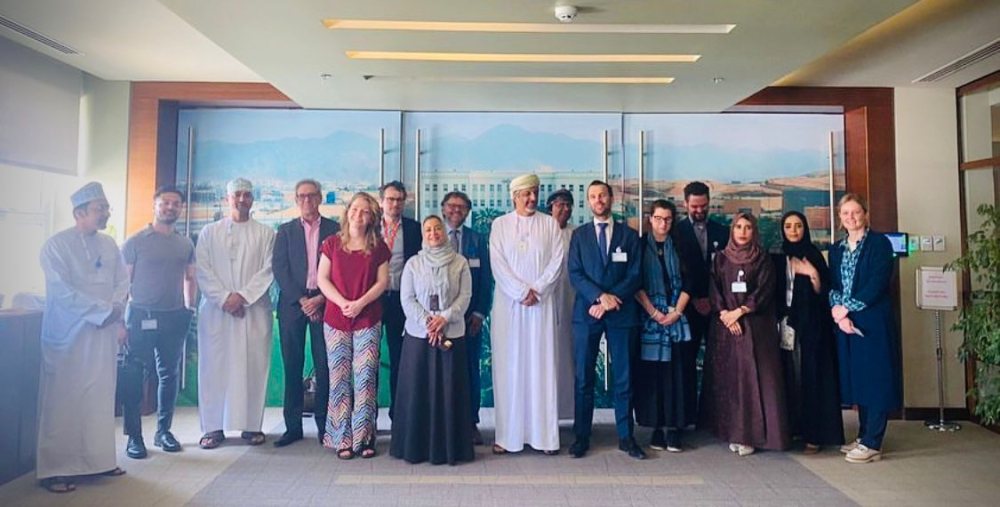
(591, 276)
(475, 248)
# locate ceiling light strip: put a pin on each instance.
(451, 26)
(522, 57)
(535, 79)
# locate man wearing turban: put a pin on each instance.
(527, 255)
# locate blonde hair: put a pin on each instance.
(853, 197)
(373, 234)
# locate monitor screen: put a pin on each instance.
(900, 243)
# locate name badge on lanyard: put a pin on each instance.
(739, 286)
(619, 256)
(473, 262)
(149, 324)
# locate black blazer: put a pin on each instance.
(475, 248)
(698, 268)
(413, 238)
(590, 277)
(290, 264)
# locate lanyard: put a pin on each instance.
(391, 231)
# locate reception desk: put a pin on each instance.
(20, 353)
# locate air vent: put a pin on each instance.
(37, 37)
(972, 58)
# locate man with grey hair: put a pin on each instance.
(300, 306)
(527, 257)
(234, 258)
(85, 289)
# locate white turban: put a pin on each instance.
(238, 185)
(90, 192)
(523, 182)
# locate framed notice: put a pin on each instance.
(937, 289)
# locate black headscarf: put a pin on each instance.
(801, 248)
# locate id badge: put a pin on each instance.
(435, 303)
(474, 262)
(739, 287)
(619, 256)
(148, 325)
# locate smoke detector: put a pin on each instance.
(566, 13)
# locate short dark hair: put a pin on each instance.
(611, 192)
(695, 188)
(169, 189)
(663, 204)
(460, 195)
(395, 184)
(562, 194)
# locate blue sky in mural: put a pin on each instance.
(343, 145)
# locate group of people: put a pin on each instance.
(788, 341)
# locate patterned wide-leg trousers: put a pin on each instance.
(353, 407)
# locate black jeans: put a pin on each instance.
(292, 330)
(165, 344)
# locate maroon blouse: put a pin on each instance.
(353, 273)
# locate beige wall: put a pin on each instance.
(104, 107)
(927, 191)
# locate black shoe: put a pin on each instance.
(167, 442)
(136, 448)
(658, 440)
(579, 448)
(287, 438)
(674, 441)
(628, 445)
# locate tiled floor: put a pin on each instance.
(921, 468)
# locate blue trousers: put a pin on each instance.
(586, 343)
(871, 427)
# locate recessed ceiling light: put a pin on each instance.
(522, 57)
(452, 26)
(534, 79)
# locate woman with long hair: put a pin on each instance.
(353, 273)
(808, 349)
(744, 390)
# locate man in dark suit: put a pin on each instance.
(697, 239)
(604, 268)
(404, 238)
(300, 306)
(455, 208)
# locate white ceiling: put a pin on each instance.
(799, 42)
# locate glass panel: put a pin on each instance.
(275, 148)
(980, 189)
(763, 163)
(980, 117)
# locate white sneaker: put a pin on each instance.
(745, 450)
(862, 454)
(734, 447)
(850, 446)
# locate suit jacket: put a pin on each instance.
(591, 277)
(289, 261)
(413, 238)
(475, 248)
(698, 267)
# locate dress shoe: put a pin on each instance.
(579, 448)
(287, 438)
(629, 446)
(674, 441)
(167, 442)
(136, 448)
(477, 437)
(658, 441)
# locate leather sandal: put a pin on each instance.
(368, 451)
(345, 454)
(58, 485)
(499, 450)
(253, 437)
(212, 439)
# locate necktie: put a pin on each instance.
(454, 241)
(602, 241)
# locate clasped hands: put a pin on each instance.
(605, 303)
(731, 320)
(313, 307)
(839, 313)
(665, 319)
(234, 305)
(435, 329)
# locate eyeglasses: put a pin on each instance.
(395, 199)
(452, 205)
(658, 219)
(313, 196)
